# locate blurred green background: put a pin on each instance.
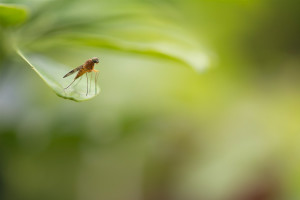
(199, 101)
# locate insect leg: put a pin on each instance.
(70, 84)
(87, 84)
(91, 81)
(96, 78)
(78, 81)
(95, 83)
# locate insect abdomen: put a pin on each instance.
(80, 73)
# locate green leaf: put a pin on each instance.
(52, 74)
(186, 54)
(176, 45)
(137, 28)
(12, 15)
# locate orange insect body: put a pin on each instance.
(88, 66)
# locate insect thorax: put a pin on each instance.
(89, 65)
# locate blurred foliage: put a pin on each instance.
(159, 130)
(135, 28)
(12, 15)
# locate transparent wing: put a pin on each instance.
(73, 71)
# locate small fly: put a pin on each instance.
(88, 66)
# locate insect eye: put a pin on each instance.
(95, 60)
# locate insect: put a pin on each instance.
(88, 66)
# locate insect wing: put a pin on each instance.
(73, 71)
